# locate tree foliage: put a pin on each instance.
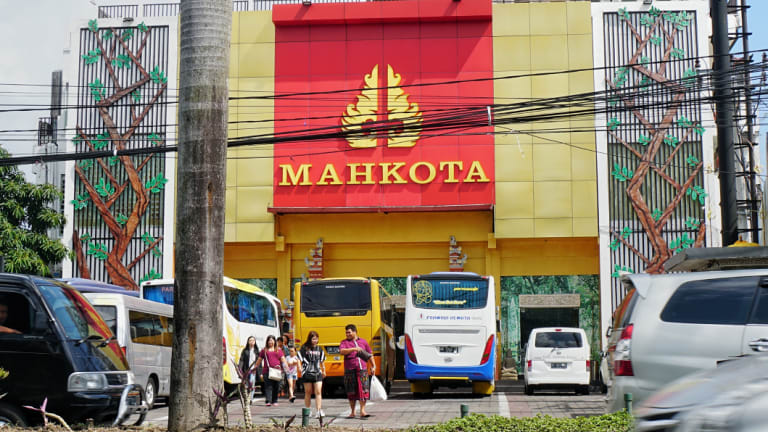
(25, 218)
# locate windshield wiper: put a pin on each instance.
(89, 338)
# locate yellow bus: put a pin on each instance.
(328, 305)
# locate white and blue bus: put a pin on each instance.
(450, 332)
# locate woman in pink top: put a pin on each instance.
(356, 380)
(273, 357)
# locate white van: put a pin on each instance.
(144, 330)
(557, 357)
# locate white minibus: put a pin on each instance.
(144, 331)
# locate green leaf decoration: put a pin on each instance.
(113, 160)
(108, 35)
(85, 164)
(696, 193)
(97, 90)
(615, 243)
(156, 184)
(157, 252)
(644, 60)
(150, 276)
(127, 35)
(684, 122)
(699, 129)
(680, 243)
(682, 21)
(77, 139)
(136, 95)
(620, 173)
(624, 14)
(85, 237)
(155, 139)
(654, 11)
(158, 76)
(620, 78)
(147, 238)
(121, 61)
(80, 202)
(671, 140)
(670, 16)
(692, 223)
(92, 56)
(98, 250)
(104, 189)
(656, 214)
(677, 53)
(656, 40)
(612, 101)
(142, 27)
(644, 140)
(613, 123)
(647, 20)
(625, 232)
(617, 269)
(101, 141)
(121, 218)
(93, 25)
(644, 82)
(689, 76)
(692, 161)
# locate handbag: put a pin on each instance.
(274, 374)
(364, 355)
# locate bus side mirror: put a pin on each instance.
(286, 327)
(498, 326)
(401, 343)
(608, 332)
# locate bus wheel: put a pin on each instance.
(484, 388)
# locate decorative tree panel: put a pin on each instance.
(119, 201)
(654, 130)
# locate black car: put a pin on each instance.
(55, 346)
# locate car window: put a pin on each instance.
(623, 311)
(725, 301)
(558, 340)
(109, 315)
(760, 315)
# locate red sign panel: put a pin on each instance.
(380, 90)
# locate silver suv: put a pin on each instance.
(671, 325)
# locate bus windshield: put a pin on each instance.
(337, 298)
(450, 293)
(159, 293)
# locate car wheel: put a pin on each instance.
(150, 392)
(528, 390)
(10, 415)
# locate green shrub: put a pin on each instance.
(616, 422)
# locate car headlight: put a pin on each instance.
(723, 411)
(86, 381)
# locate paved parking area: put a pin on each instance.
(402, 410)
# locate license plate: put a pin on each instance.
(449, 349)
(332, 349)
(559, 365)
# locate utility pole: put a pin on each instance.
(196, 365)
(753, 199)
(724, 115)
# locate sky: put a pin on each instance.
(35, 34)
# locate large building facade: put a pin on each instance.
(385, 139)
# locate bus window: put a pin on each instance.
(450, 294)
(250, 308)
(158, 293)
(150, 329)
(341, 298)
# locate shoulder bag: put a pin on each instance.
(274, 374)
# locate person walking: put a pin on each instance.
(292, 374)
(357, 354)
(312, 359)
(273, 358)
(248, 361)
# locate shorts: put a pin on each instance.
(292, 376)
(312, 378)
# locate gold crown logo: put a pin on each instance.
(402, 116)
